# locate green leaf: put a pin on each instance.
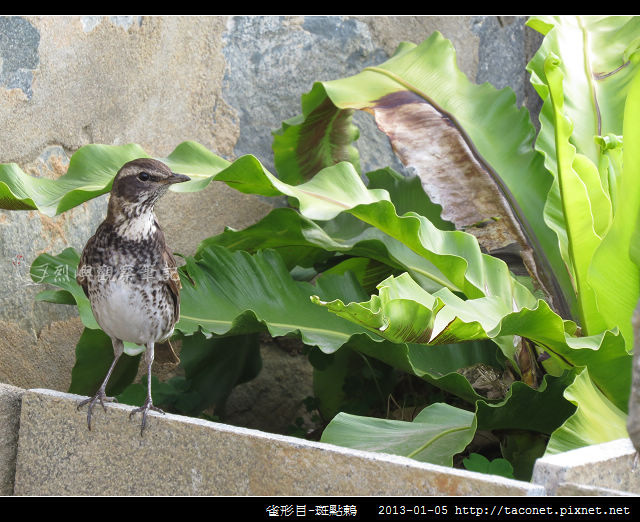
(481, 464)
(91, 172)
(540, 410)
(213, 367)
(596, 76)
(339, 188)
(56, 296)
(581, 203)
(301, 241)
(234, 292)
(404, 312)
(436, 434)
(197, 162)
(522, 449)
(596, 419)
(94, 355)
(350, 382)
(367, 271)
(438, 365)
(593, 54)
(438, 124)
(407, 195)
(329, 376)
(617, 296)
(60, 271)
(327, 134)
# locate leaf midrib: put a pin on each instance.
(292, 327)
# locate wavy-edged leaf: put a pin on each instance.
(327, 137)
(477, 163)
(487, 318)
(540, 410)
(228, 293)
(580, 201)
(301, 241)
(408, 195)
(60, 271)
(614, 274)
(596, 419)
(339, 189)
(367, 271)
(298, 240)
(436, 434)
(197, 162)
(594, 60)
(596, 74)
(91, 172)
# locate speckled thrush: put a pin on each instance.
(129, 274)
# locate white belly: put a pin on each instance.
(125, 312)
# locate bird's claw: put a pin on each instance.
(148, 405)
(100, 397)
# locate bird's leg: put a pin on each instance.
(148, 403)
(101, 396)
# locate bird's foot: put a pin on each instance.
(100, 397)
(148, 405)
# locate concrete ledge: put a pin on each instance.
(610, 467)
(178, 455)
(9, 422)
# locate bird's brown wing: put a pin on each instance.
(173, 281)
(164, 351)
(81, 277)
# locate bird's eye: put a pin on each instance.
(143, 176)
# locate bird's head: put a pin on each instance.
(138, 185)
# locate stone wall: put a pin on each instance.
(226, 82)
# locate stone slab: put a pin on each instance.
(9, 423)
(570, 489)
(178, 455)
(608, 466)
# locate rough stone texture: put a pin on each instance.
(633, 420)
(288, 54)
(9, 424)
(569, 489)
(18, 54)
(610, 466)
(47, 357)
(226, 82)
(57, 455)
(273, 400)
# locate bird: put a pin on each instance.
(129, 274)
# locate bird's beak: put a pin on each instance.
(178, 178)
